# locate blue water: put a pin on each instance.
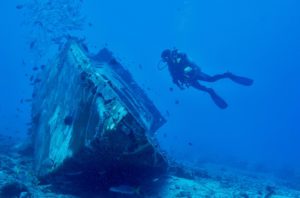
(257, 39)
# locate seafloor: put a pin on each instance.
(212, 180)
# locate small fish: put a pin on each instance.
(35, 68)
(19, 7)
(32, 44)
(124, 189)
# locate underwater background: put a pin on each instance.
(259, 131)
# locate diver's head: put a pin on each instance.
(166, 55)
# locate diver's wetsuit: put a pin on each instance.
(186, 73)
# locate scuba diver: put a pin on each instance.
(186, 73)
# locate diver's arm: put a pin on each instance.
(176, 78)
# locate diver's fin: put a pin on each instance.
(218, 100)
(240, 80)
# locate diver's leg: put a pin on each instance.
(214, 78)
(237, 79)
(217, 99)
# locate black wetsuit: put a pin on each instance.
(185, 73)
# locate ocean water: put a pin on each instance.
(258, 132)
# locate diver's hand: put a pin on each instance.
(181, 87)
(179, 84)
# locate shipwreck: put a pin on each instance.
(91, 120)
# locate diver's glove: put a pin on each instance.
(179, 84)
